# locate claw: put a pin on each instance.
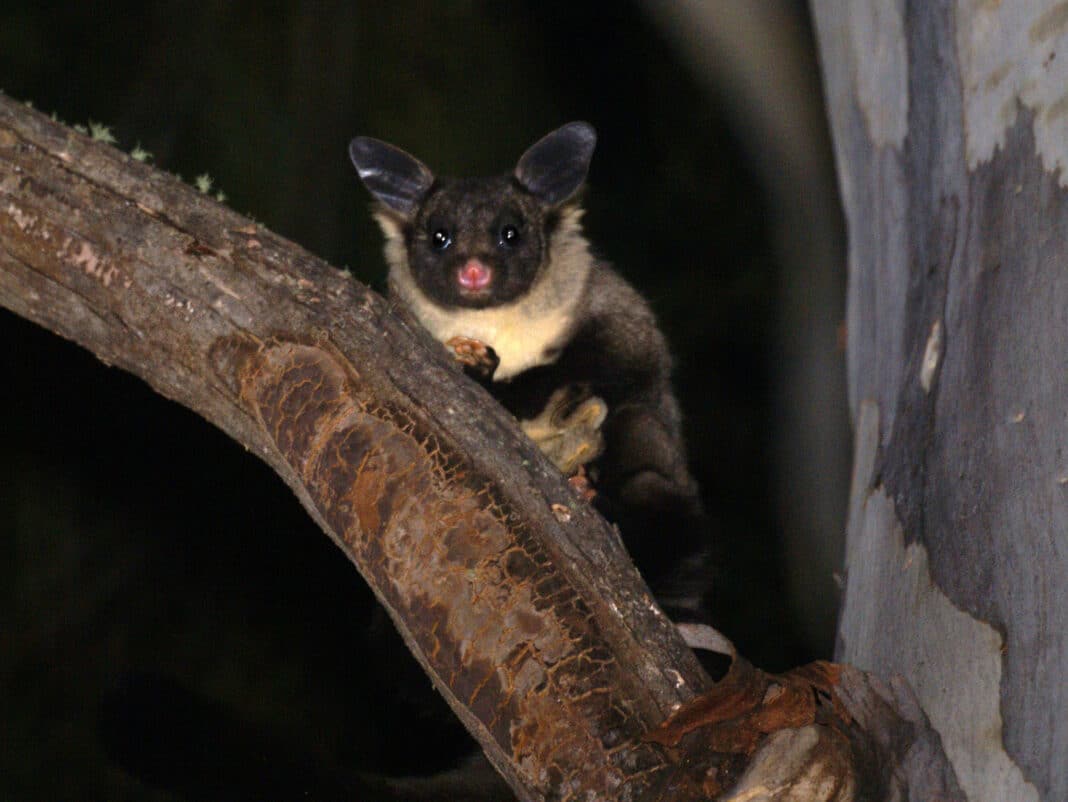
(580, 483)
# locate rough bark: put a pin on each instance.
(951, 146)
(517, 599)
(513, 594)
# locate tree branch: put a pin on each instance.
(531, 622)
(517, 599)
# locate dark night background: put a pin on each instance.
(153, 575)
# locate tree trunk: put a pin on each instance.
(951, 143)
(517, 599)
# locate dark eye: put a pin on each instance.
(441, 239)
(509, 236)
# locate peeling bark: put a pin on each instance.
(533, 624)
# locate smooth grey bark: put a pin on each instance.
(950, 143)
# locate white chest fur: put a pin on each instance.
(521, 340)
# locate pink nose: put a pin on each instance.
(474, 275)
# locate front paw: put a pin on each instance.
(477, 358)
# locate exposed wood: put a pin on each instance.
(517, 599)
(950, 135)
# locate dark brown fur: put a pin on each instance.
(556, 317)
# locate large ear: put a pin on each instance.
(556, 165)
(396, 178)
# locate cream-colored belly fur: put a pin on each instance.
(521, 342)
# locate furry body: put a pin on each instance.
(503, 261)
